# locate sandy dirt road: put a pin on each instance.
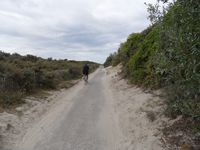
(106, 114)
(82, 120)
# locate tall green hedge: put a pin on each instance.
(167, 55)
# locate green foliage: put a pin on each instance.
(22, 75)
(74, 72)
(128, 48)
(179, 53)
(10, 99)
(167, 55)
(113, 60)
(28, 80)
(140, 68)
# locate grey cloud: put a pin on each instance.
(89, 29)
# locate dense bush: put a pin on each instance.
(22, 75)
(11, 99)
(179, 57)
(167, 55)
(113, 60)
(140, 67)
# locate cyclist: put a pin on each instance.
(85, 72)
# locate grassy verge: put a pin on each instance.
(21, 76)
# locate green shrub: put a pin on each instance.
(75, 72)
(178, 58)
(10, 99)
(28, 80)
(140, 68)
(108, 61)
(49, 81)
(27, 74)
(167, 55)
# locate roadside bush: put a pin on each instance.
(49, 81)
(128, 48)
(167, 55)
(140, 67)
(75, 72)
(178, 58)
(28, 80)
(11, 99)
(108, 61)
(23, 75)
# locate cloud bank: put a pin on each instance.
(78, 29)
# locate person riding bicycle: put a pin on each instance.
(85, 72)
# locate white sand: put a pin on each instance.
(132, 105)
(13, 126)
(128, 109)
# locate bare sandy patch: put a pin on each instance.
(15, 124)
(140, 114)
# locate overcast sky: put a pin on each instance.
(69, 29)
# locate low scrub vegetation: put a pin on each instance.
(167, 55)
(22, 75)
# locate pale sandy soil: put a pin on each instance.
(134, 115)
(140, 114)
(13, 126)
(82, 120)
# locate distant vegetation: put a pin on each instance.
(23, 75)
(167, 55)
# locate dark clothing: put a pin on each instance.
(86, 70)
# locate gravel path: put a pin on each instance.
(83, 123)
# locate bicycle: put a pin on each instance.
(85, 78)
